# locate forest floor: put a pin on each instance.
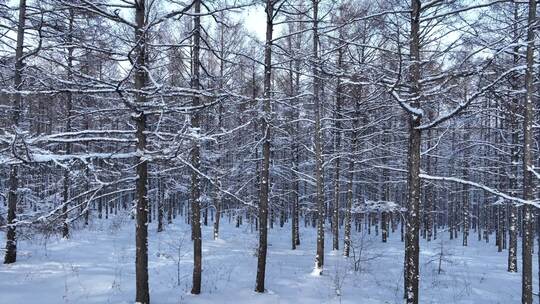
(97, 266)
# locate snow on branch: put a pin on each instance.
(463, 104)
(535, 203)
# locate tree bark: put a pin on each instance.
(11, 235)
(141, 233)
(337, 149)
(466, 204)
(412, 246)
(265, 174)
(195, 155)
(350, 195)
(512, 229)
(69, 106)
(294, 82)
(319, 196)
(217, 190)
(528, 188)
(350, 184)
(160, 203)
(385, 214)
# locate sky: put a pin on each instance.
(255, 20)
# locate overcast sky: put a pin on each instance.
(255, 21)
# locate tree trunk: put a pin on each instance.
(348, 214)
(294, 84)
(195, 155)
(265, 174)
(87, 204)
(11, 235)
(217, 189)
(412, 246)
(141, 233)
(160, 204)
(350, 185)
(337, 149)
(170, 207)
(319, 197)
(466, 205)
(385, 214)
(429, 196)
(526, 291)
(512, 229)
(218, 212)
(69, 106)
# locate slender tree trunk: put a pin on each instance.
(217, 190)
(348, 210)
(512, 229)
(11, 235)
(295, 238)
(538, 238)
(412, 245)
(100, 208)
(385, 214)
(528, 187)
(69, 106)
(337, 148)
(429, 197)
(195, 155)
(294, 83)
(87, 204)
(218, 214)
(412, 249)
(465, 214)
(141, 233)
(160, 203)
(295, 227)
(265, 174)
(319, 197)
(466, 207)
(350, 184)
(170, 207)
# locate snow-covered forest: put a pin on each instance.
(269, 151)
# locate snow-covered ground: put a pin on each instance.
(97, 266)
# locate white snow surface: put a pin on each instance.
(97, 266)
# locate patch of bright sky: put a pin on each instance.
(255, 20)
